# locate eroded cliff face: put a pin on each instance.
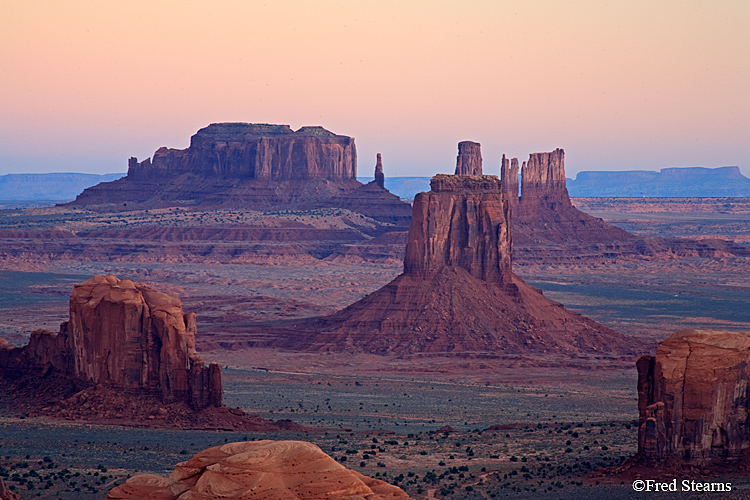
(693, 398)
(125, 336)
(255, 151)
(259, 470)
(547, 227)
(543, 178)
(469, 160)
(463, 221)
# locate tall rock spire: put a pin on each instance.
(379, 175)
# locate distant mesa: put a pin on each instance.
(121, 338)
(693, 400)
(259, 470)
(457, 293)
(254, 166)
(672, 182)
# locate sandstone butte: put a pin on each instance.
(126, 352)
(253, 166)
(262, 470)
(693, 399)
(548, 228)
(457, 292)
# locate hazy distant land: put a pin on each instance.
(19, 190)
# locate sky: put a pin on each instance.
(620, 85)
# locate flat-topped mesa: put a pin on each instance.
(464, 221)
(692, 398)
(255, 151)
(469, 160)
(126, 336)
(543, 178)
(379, 175)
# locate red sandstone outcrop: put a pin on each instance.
(693, 398)
(457, 292)
(548, 228)
(125, 336)
(255, 166)
(6, 494)
(469, 160)
(259, 470)
(255, 151)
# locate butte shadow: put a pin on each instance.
(458, 293)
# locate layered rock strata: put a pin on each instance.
(693, 398)
(259, 470)
(255, 166)
(124, 336)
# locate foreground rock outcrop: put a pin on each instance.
(693, 398)
(254, 166)
(259, 470)
(125, 336)
(457, 293)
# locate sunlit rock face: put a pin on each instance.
(127, 336)
(256, 151)
(693, 398)
(262, 470)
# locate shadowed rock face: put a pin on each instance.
(692, 398)
(379, 175)
(259, 470)
(126, 336)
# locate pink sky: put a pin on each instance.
(620, 85)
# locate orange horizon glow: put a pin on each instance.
(620, 86)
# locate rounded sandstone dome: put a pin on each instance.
(269, 470)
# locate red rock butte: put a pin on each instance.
(261, 470)
(124, 336)
(692, 398)
(548, 228)
(457, 292)
(253, 166)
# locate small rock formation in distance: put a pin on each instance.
(693, 398)
(260, 470)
